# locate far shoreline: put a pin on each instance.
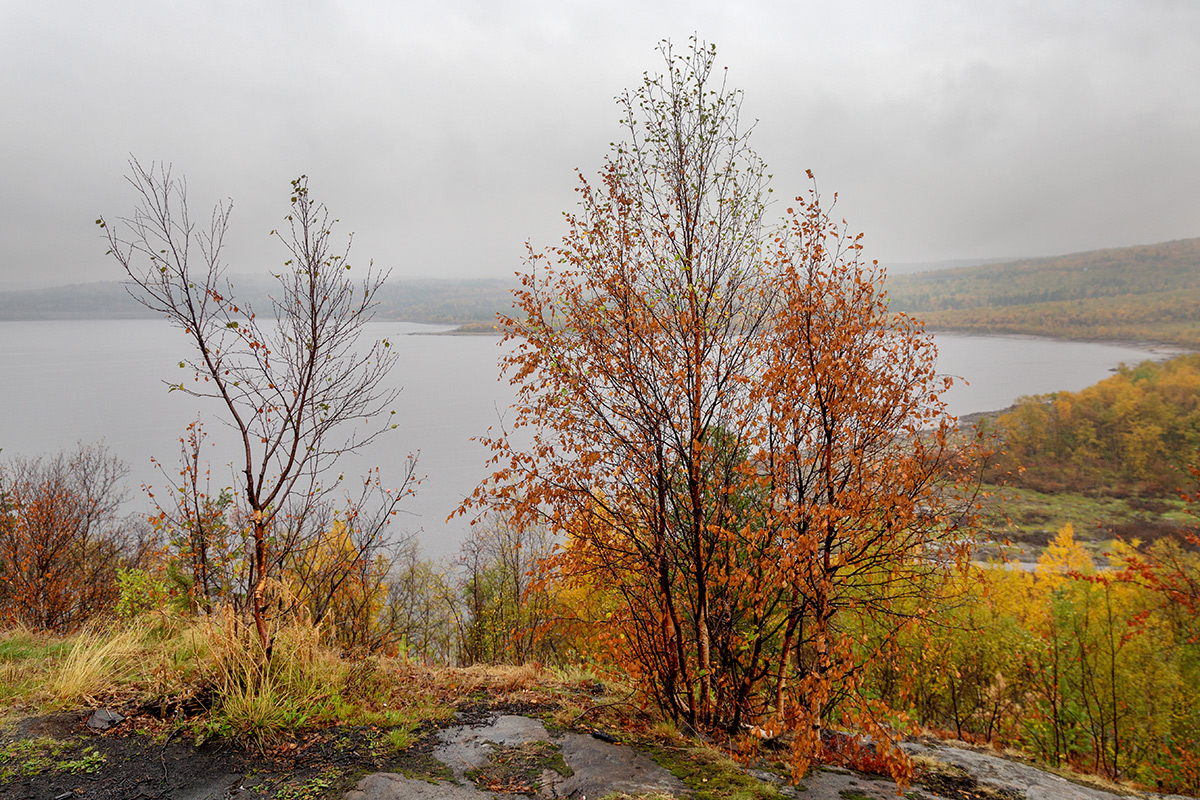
(1167, 350)
(1162, 350)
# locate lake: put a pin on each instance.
(87, 380)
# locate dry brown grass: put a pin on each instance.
(664, 731)
(499, 677)
(527, 677)
(98, 665)
(1095, 781)
(304, 684)
(568, 713)
(169, 660)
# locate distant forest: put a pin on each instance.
(421, 300)
(1136, 432)
(1145, 293)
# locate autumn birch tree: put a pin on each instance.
(295, 388)
(870, 483)
(633, 343)
(61, 540)
(724, 422)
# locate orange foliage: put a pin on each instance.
(738, 440)
(1171, 568)
(61, 542)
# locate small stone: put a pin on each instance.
(104, 719)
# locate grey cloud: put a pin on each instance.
(447, 135)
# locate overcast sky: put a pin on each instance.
(445, 134)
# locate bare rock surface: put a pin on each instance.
(104, 719)
(598, 768)
(222, 787)
(832, 783)
(601, 768)
(1013, 777)
(463, 748)
(389, 785)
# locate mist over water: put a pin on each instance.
(87, 380)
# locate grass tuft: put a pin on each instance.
(95, 665)
(259, 699)
(398, 739)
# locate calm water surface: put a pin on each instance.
(86, 380)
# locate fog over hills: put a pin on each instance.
(1144, 293)
(1149, 292)
(448, 134)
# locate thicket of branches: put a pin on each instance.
(62, 539)
(1080, 662)
(69, 559)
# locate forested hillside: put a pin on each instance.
(1136, 432)
(1149, 292)
(100, 300)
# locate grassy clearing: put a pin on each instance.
(212, 676)
(213, 673)
(1029, 519)
(24, 656)
(22, 644)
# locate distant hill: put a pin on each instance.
(449, 301)
(909, 267)
(102, 300)
(420, 300)
(1143, 293)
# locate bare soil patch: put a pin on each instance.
(142, 759)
